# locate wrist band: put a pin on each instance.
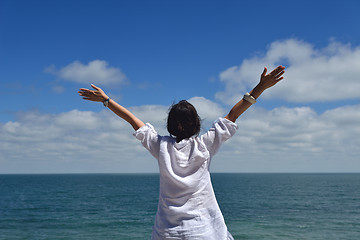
(249, 98)
(106, 102)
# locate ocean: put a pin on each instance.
(123, 206)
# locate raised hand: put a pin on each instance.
(269, 80)
(97, 95)
(266, 81)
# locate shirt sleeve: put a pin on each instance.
(222, 130)
(149, 139)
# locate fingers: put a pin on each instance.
(281, 73)
(86, 92)
(95, 87)
(269, 80)
(264, 72)
(92, 95)
(278, 71)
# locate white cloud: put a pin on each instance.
(97, 71)
(283, 139)
(154, 114)
(312, 75)
(207, 109)
(74, 141)
(296, 140)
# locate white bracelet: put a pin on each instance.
(249, 98)
(106, 102)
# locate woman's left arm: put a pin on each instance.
(266, 81)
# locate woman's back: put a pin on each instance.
(187, 206)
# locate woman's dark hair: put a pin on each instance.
(183, 120)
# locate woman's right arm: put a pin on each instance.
(98, 95)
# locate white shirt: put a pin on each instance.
(187, 206)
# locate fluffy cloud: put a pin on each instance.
(75, 141)
(207, 110)
(154, 114)
(95, 71)
(282, 139)
(295, 140)
(312, 75)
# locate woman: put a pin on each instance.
(187, 207)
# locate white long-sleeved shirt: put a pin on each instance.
(187, 207)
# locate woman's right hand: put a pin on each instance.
(97, 95)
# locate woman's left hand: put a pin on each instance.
(269, 80)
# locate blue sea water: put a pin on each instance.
(123, 206)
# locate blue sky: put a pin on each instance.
(147, 54)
